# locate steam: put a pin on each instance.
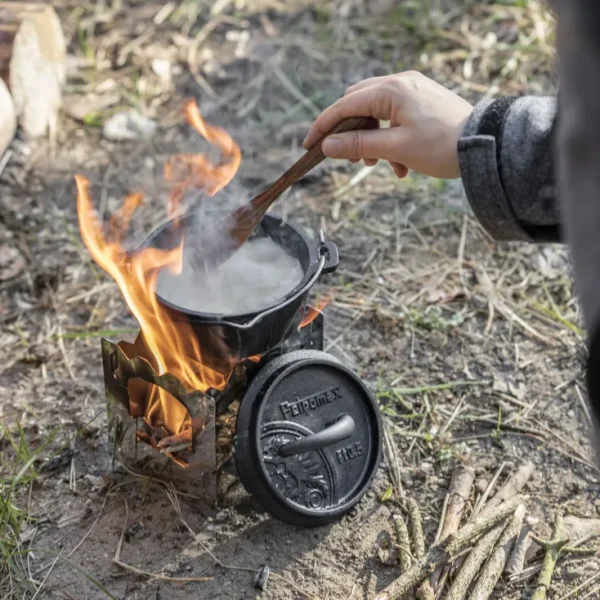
(257, 275)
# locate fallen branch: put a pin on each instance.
(459, 493)
(553, 549)
(472, 530)
(495, 565)
(516, 561)
(458, 496)
(415, 524)
(425, 591)
(470, 568)
(483, 499)
(511, 488)
(405, 556)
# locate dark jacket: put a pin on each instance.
(506, 160)
(531, 166)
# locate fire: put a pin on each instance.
(173, 346)
(313, 312)
(196, 170)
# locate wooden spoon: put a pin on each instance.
(227, 234)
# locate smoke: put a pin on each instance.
(257, 275)
(178, 188)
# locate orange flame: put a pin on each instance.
(174, 347)
(313, 312)
(196, 170)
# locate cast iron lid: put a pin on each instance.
(308, 438)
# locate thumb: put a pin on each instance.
(387, 144)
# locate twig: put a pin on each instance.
(392, 460)
(172, 496)
(442, 520)
(117, 560)
(495, 565)
(589, 594)
(361, 312)
(483, 499)
(553, 549)
(372, 586)
(425, 591)
(63, 351)
(445, 551)
(90, 529)
(192, 56)
(356, 179)
(405, 556)
(511, 487)
(41, 586)
(294, 91)
(584, 405)
(470, 568)
(516, 562)
(415, 525)
(5, 158)
(472, 530)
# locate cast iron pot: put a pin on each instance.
(226, 338)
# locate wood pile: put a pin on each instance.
(469, 556)
(32, 70)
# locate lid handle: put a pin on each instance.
(340, 430)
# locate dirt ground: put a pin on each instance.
(472, 348)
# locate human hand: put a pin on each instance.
(426, 121)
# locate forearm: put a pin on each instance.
(506, 161)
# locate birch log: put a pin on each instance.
(33, 64)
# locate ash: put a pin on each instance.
(258, 274)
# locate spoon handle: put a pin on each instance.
(309, 160)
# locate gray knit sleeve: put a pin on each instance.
(506, 162)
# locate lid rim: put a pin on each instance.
(248, 448)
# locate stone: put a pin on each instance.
(129, 126)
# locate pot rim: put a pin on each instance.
(317, 260)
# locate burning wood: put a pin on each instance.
(171, 346)
(189, 455)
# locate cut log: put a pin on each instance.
(8, 119)
(33, 64)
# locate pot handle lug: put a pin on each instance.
(332, 256)
(340, 430)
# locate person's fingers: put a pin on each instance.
(386, 144)
(365, 83)
(400, 170)
(374, 101)
(370, 162)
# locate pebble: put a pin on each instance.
(481, 485)
(129, 126)
(162, 67)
